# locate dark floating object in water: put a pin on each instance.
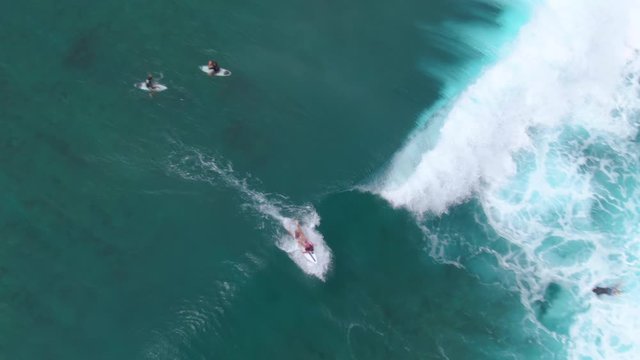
(598, 290)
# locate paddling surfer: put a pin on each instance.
(598, 290)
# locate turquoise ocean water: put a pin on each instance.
(467, 169)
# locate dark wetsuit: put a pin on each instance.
(149, 83)
(215, 68)
(603, 290)
(308, 248)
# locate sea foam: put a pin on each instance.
(546, 140)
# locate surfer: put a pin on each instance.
(598, 290)
(149, 82)
(213, 67)
(302, 239)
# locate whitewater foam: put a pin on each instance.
(546, 140)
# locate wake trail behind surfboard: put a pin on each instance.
(195, 166)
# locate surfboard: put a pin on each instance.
(157, 87)
(222, 72)
(311, 257)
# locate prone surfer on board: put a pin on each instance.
(302, 240)
(598, 290)
(213, 67)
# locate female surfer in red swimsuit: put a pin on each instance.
(302, 239)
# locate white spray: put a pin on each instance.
(521, 140)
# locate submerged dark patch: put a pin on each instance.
(82, 52)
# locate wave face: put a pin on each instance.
(546, 140)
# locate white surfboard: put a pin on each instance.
(311, 257)
(157, 87)
(222, 72)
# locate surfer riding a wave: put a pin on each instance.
(302, 240)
